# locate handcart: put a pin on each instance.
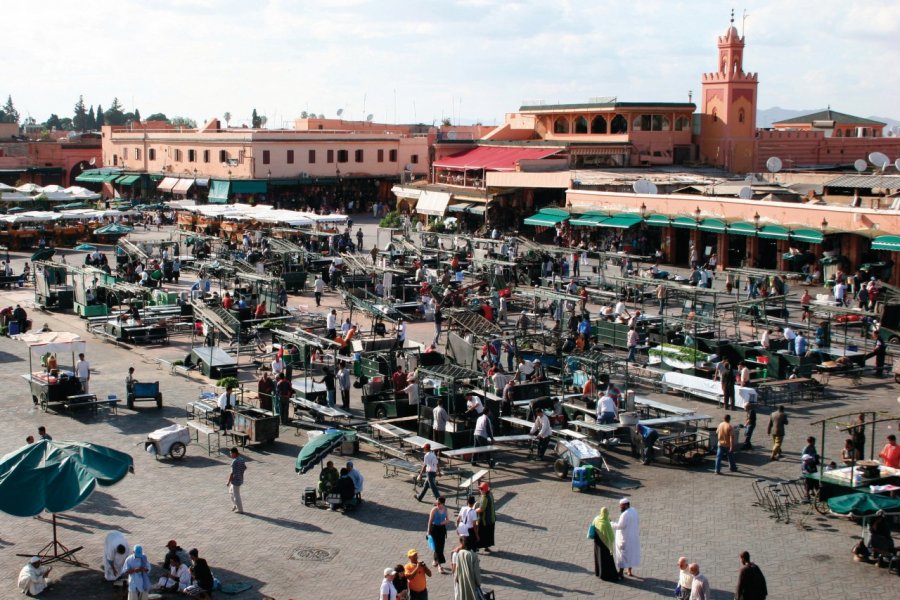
(172, 440)
(585, 460)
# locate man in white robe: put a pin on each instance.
(33, 577)
(628, 538)
(115, 551)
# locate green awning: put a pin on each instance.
(623, 221)
(547, 217)
(248, 186)
(773, 232)
(813, 236)
(155, 177)
(127, 179)
(713, 225)
(45, 170)
(591, 219)
(659, 220)
(218, 192)
(460, 208)
(684, 222)
(742, 228)
(887, 242)
(93, 177)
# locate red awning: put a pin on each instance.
(493, 158)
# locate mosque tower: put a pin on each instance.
(728, 108)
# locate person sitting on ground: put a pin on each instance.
(343, 492)
(356, 477)
(327, 478)
(177, 578)
(202, 583)
(880, 539)
(173, 550)
(33, 577)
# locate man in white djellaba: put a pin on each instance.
(628, 539)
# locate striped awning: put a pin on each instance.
(167, 184)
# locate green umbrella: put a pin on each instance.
(863, 504)
(57, 476)
(43, 254)
(112, 229)
(312, 453)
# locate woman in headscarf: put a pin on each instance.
(487, 518)
(604, 547)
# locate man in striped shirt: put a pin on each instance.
(236, 480)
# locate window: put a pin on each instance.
(741, 116)
(266, 157)
(392, 156)
(682, 124)
(380, 155)
(223, 156)
(178, 156)
(715, 115)
(115, 159)
(151, 154)
(619, 125)
(137, 154)
(358, 156)
(598, 125)
(290, 157)
(329, 156)
(561, 125)
(312, 157)
(192, 156)
(581, 125)
(414, 159)
(124, 153)
(206, 156)
(343, 156)
(666, 123)
(638, 124)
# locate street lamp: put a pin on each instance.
(824, 224)
(697, 214)
(756, 218)
(643, 209)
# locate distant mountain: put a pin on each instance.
(765, 117)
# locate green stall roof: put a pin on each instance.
(622, 221)
(218, 192)
(90, 177)
(742, 228)
(713, 225)
(813, 236)
(659, 220)
(591, 219)
(248, 186)
(127, 179)
(684, 222)
(547, 217)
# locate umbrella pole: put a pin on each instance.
(61, 553)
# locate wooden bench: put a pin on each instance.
(466, 486)
(198, 428)
(238, 438)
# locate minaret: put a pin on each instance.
(728, 108)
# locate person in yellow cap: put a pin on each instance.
(417, 573)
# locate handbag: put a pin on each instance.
(430, 542)
(592, 531)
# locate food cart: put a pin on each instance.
(259, 426)
(58, 385)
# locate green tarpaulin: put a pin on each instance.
(713, 225)
(218, 192)
(57, 476)
(659, 220)
(591, 219)
(253, 186)
(742, 228)
(863, 504)
(887, 242)
(773, 232)
(96, 177)
(127, 179)
(547, 217)
(312, 453)
(684, 222)
(623, 221)
(112, 229)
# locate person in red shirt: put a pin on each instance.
(398, 379)
(890, 454)
(227, 301)
(260, 310)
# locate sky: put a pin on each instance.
(423, 61)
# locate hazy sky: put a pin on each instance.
(420, 61)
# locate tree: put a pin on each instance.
(137, 115)
(158, 117)
(101, 120)
(183, 122)
(90, 121)
(9, 112)
(304, 115)
(114, 115)
(65, 124)
(255, 121)
(227, 117)
(263, 120)
(53, 122)
(80, 120)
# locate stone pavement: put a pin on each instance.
(287, 550)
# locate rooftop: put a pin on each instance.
(839, 118)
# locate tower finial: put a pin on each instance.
(732, 16)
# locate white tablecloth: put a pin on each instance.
(707, 387)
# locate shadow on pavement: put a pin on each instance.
(382, 515)
(102, 503)
(508, 580)
(286, 523)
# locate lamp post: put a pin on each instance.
(643, 210)
(756, 218)
(824, 224)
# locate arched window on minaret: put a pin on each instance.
(724, 68)
(741, 116)
(715, 115)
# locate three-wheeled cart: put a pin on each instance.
(172, 440)
(141, 390)
(52, 385)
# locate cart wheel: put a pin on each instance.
(44, 404)
(178, 450)
(159, 401)
(561, 468)
(380, 412)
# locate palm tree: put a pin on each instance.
(227, 117)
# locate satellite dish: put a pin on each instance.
(340, 111)
(750, 179)
(643, 186)
(321, 116)
(745, 193)
(93, 161)
(773, 164)
(897, 164)
(860, 165)
(369, 117)
(879, 160)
